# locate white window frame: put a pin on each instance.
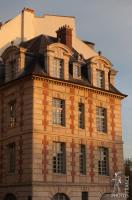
(59, 157)
(103, 162)
(58, 111)
(76, 71)
(100, 78)
(58, 68)
(101, 119)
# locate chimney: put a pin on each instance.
(64, 35)
(100, 53)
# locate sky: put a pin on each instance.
(107, 23)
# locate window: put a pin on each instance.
(13, 70)
(84, 195)
(76, 72)
(101, 119)
(81, 117)
(11, 151)
(59, 157)
(12, 113)
(103, 161)
(60, 196)
(100, 78)
(82, 159)
(58, 70)
(58, 111)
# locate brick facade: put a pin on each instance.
(34, 132)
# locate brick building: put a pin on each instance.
(60, 112)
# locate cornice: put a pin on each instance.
(64, 82)
(80, 86)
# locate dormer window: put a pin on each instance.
(76, 71)
(12, 69)
(58, 68)
(100, 81)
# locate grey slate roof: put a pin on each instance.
(35, 62)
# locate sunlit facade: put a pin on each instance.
(60, 113)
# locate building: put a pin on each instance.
(60, 112)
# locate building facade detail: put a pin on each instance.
(60, 114)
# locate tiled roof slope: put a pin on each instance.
(35, 62)
(36, 47)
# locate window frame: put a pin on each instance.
(103, 161)
(58, 111)
(85, 195)
(12, 64)
(58, 68)
(12, 113)
(81, 115)
(82, 159)
(59, 157)
(101, 119)
(100, 78)
(11, 157)
(76, 71)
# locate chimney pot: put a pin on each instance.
(100, 53)
(64, 35)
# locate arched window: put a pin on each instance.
(60, 196)
(10, 197)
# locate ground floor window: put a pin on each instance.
(10, 197)
(60, 196)
(84, 195)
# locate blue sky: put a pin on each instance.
(107, 23)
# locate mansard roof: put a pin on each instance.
(35, 49)
(38, 44)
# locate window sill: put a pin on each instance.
(104, 175)
(58, 126)
(102, 133)
(83, 175)
(59, 174)
(81, 129)
(11, 173)
(11, 127)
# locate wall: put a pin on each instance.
(26, 26)
(44, 133)
(21, 133)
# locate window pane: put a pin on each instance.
(11, 151)
(84, 195)
(58, 68)
(100, 78)
(58, 113)
(82, 159)
(81, 115)
(59, 157)
(101, 120)
(103, 161)
(12, 113)
(76, 71)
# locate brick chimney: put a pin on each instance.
(64, 35)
